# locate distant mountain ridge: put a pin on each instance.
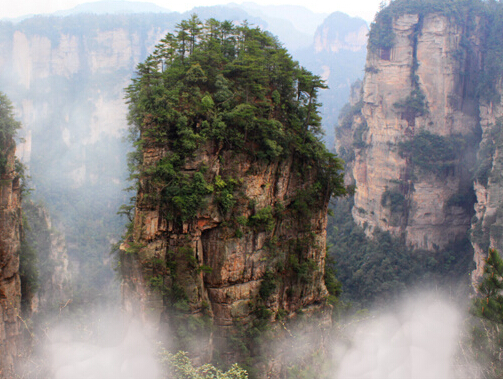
(296, 14)
(114, 6)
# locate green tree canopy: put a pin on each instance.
(490, 303)
(8, 127)
(235, 85)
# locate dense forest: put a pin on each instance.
(212, 76)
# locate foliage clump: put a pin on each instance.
(414, 105)
(432, 153)
(180, 366)
(8, 127)
(233, 86)
(487, 336)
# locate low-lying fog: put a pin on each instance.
(419, 337)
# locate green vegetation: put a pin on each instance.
(489, 304)
(347, 114)
(413, 106)
(334, 286)
(358, 141)
(393, 200)
(263, 219)
(486, 151)
(8, 127)
(235, 86)
(381, 268)
(432, 153)
(487, 335)
(396, 202)
(180, 366)
(381, 34)
(268, 285)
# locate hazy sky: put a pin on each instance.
(362, 8)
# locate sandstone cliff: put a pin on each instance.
(228, 236)
(10, 243)
(424, 145)
(401, 186)
(223, 268)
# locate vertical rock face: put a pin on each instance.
(417, 103)
(228, 235)
(487, 224)
(425, 145)
(10, 243)
(224, 268)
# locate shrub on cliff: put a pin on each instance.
(180, 366)
(8, 127)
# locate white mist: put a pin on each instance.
(112, 348)
(418, 338)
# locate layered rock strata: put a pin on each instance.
(233, 267)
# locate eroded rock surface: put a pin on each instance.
(394, 191)
(10, 286)
(219, 262)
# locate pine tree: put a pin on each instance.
(8, 127)
(490, 303)
(487, 336)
